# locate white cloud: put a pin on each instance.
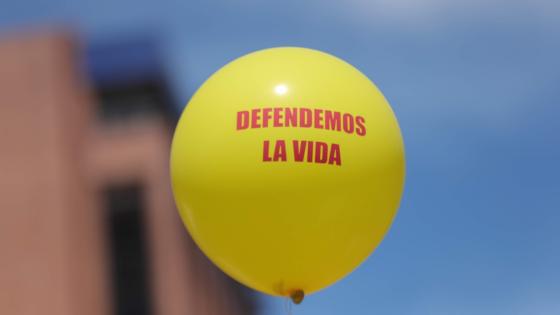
(426, 13)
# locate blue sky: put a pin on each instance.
(476, 88)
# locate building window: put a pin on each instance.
(128, 257)
(120, 102)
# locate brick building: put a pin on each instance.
(87, 220)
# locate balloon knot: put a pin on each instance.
(297, 296)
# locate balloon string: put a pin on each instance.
(288, 306)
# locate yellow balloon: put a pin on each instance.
(287, 168)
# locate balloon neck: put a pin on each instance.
(297, 296)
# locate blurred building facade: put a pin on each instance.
(87, 220)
